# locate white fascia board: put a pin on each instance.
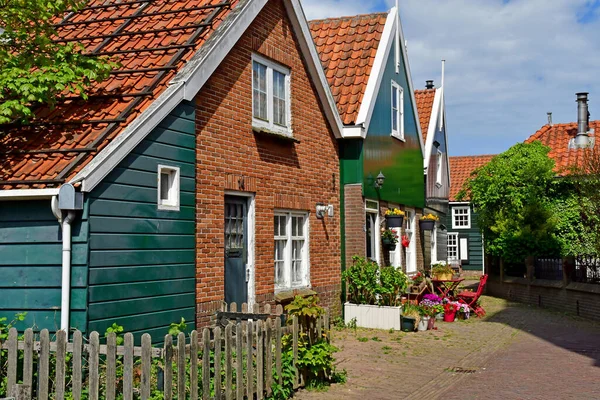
(28, 194)
(410, 85)
(432, 127)
(383, 51)
(202, 65)
(355, 132)
(93, 173)
(184, 86)
(459, 203)
(315, 68)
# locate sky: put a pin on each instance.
(508, 62)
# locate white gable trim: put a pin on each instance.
(432, 127)
(191, 78)
(315, 68)
(377, 71)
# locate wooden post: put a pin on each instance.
(530, 268)
(146, 366)
(77, 361)
(228, 363)
(217, 362)
(278, 348)
(206, 364)
(20, 392)
(12, 358)
(249, 366)
(44, 365)
(93, 361)
(268, 356)
(61, 348)
(181, 366)
(128, 367)
(239, 361)
(111, 365)
(194, 365)
(295, 350)
(168, 386)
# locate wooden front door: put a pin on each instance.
(236, 250)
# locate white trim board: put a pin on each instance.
(27, 194)
(192, 77)
(388, 37)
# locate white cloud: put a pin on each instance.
(507, 63)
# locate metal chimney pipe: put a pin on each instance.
(549, 118)
(583, 119)
(429, 84)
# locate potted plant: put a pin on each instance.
(442, 271)
(427, 222)
(450, 310)
(389, 238)
(432, 304)
(416, 281)
(374, 294)
(463, 311)
(394, 217)
(423, 318)
(410, 317)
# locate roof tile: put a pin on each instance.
(461, 169)
(424, 99)
(354, 40)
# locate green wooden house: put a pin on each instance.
(381, 163)
(99, 198)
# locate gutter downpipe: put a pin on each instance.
(65, 299)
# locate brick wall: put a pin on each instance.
(355, 219)
(576, 298)
(280, 173)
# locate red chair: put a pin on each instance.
(471, 298)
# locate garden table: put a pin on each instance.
(446, 287)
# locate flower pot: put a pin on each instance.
(431, 324)
(426, 224)
(408, 324)
(449, 317)
(394, 221)
(423, 323)
(460, 315)
(374, 317)
(443, 277)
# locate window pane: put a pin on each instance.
(279, 262)
(394, 120)
(259, 92)
(164, 186)
(279, 106)
(297, 246)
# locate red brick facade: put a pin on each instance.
(281, 174)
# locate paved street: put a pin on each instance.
(515, 352)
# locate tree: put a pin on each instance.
(512, 195)
(34, 67)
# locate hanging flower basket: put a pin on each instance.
(388, 244)
(394, 221)
(426, 225)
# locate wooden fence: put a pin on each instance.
(235, 362)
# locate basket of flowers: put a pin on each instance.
(389, 238)
(394, 217)
(427, 222)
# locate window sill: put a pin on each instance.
(277, 133)
(165, 207)
(287, 295)
(397, 136)
(461, 227)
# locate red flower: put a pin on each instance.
(405, 241)
(450, 308)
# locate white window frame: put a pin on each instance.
(454, 246)
(399, 131)
(454, 215)
(410, 231)
(288, 249)
(376, 233)
(440, 159)
(172, 203)
(269, 125)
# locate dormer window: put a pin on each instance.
(270, 97)
(397, 111)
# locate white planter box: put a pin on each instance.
(376, 317)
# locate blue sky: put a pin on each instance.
(508, 62)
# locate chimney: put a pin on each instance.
(583, 119)
(429, 84)
(549, 118)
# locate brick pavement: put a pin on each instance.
(516, 352)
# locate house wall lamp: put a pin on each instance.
(379, 180)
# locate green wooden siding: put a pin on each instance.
(31, 265)
(400, 161)
(475, 244)
(141, 259)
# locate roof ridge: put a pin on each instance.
(347, 17)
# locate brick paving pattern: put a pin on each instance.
(515, 352)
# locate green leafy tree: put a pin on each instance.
(513, 196)
(34, 67)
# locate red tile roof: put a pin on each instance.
(347, 47)
(151, 41)
(424, 99)
(461, 168)
(557, 137)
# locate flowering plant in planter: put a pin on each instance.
(450, 308)
(429, 217)
(417, 278)
(433, 298)
(394, 212)
(388, 235)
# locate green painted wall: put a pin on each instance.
(141, 259)
(401, 162)
(474, 241)
(31, 265)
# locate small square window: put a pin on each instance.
(461, 217)
(168, 188)
(397, 111)
(270, 96)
